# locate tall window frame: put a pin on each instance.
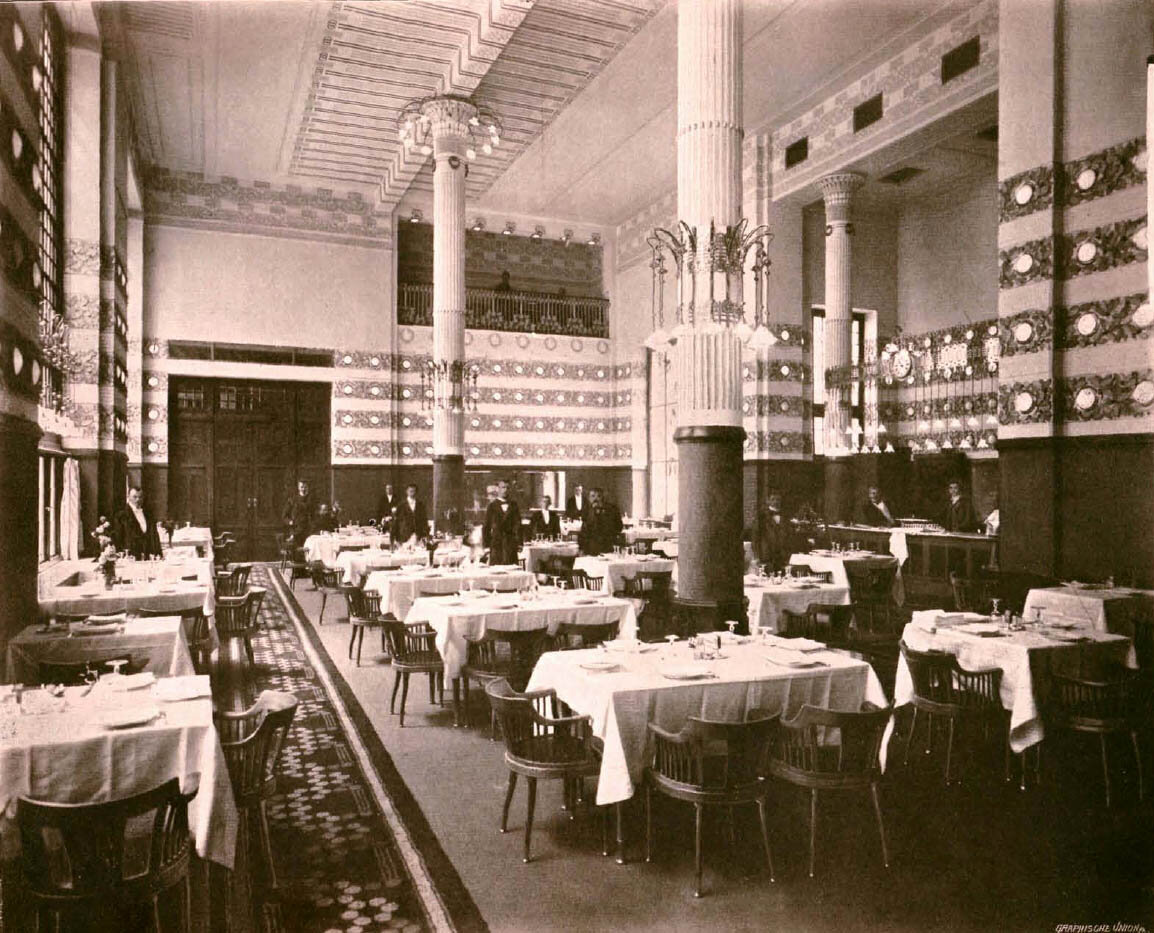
(47, 178)
(859, 326)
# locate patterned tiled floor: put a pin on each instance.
(337, 865)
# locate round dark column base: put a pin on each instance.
(448, 512)
(839, 506)
(19, 557)
(711, 559)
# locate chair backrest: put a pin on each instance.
(510, 654)
(325, 578)
(580, 580)
(650, 584)
(352, 595)
(736, 752)
(833, 741)
(405, 642)
(571, 636)
(1093, 705)
(937, 676)
(870, 583)
(79, 851)
(237, 615)
(801, 625)
(252, 741)
(558, 565)
(524, 717)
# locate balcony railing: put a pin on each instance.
(528, 312)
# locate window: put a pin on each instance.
(867, 113)
(46, 179)
(797, 152)
(961, 59)
(50, 493)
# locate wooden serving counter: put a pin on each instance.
(932, 555)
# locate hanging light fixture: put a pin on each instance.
(481, 125)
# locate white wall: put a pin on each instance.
(242, 288)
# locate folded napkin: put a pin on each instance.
(130, 681)
(115, 618)
(175, 689)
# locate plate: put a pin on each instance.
(1064, 624)
(601, 666)
(638, 647)
(127, 718)
(584, 602)
(1069, 636)
(696, 672)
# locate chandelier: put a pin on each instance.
(449, 386)
(418, 117)
(721, 265)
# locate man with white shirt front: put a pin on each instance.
(133, 531)
(875, 511)
(502, 531)
(575, 506)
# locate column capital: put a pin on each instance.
(837, 190)
(448, 116)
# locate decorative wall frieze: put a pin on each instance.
(793, 442)
(1026, 402)
(1108, 320)
(226, 188)
(1027, 262)
(82, 311)
(971, 411)
(81, 257)
(501, 451)
(783, 406)
(509, 422)
(776, 370)
(1026, 332)
(1106, 397)
(1026, 193)
(1106, 247)
(487, 366)
(21, 367)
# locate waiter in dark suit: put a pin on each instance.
(874, 511)
(600, 526)
(545, 521)
(410, 523)
(772, 541)
(959, 510)
(575, 506)
(133, 531)
(299, 514)
(501, 533)
(387, 505)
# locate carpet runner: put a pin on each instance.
(353, 850)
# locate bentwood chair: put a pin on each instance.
(572, 636)
(969, 595)
(252, 741)
(1097, 707)
(99, 864)
(328, 581)
(709, 764)
(871, 593)
(557, 567)
(364, 613)
(580, 580)
(943, 689)
(499, 656)
(820, 622)
(234, 581)
(414, 651)
(238, 617)
(824, 750)
(542, 747)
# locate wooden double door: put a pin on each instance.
(236, 451)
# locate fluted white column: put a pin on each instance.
(838, 190)
(709, 135)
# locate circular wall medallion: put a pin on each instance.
(375, 450)
(1023, 263)
(468, 338)
(17, 361)
(1086, 251)
(374, 419)
(1086, 323)
(992, 330)
(1144, 392)
(1023, 331)
(1139, 161)
(785, 335)
(970, 334)
(496, 367)
(347, 419)
(494, 340)
(374, 390)
(785, 370)
(1140, 238)
(785, 406)
(153, 447)
(602, 346)
(36, 373)
(153, 414)
(577, 344)
(347, 359)
(948, 339)
(407, 335)
(1024, 193)
(550, 343)
(1143, 315)
(406, 450)
(1085, 399)
(153, 382)
(1086, 178)
(347, 449)
(522, 341)
(1023, 402)
(374, 361)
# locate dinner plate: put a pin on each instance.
(585, 602)
(688, 672)
(127, 718)
(639, 647)
(600, 665)
(794, 661)
(1069, 636)
(506, 605)
(1063, 624)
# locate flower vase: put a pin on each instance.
(109, 575)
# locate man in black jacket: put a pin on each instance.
(545, 521)
(875, 511)
(959, 514)
(411, 522)
(501, 533)
(575, 506)
(386, 506)
(600, 526)
(135, 532)
(299, 514)
(773, 535)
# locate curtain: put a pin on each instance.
(70, 511)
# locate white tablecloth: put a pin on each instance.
(766, 600)
(668, 547)
(159, 641)
(91, 598)
(356, 565)
(1112, 610)
(1021, 656)
(70, 757)
(615, 570)
(623, 703)
(400, 588)
(647, 533)
(835, 564)
(194, 536)
(468, 619)
(326, 546)
(535, 552)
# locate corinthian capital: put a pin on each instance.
(838, 190)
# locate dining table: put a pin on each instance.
(768, 597)
(626, 685)
(400, 588)
(355, 566)
(459, 621)
(197, 536)
(78, 588)
(614, 569)
(122, 736)
(535, 553)
(1104, 608)
(834, 562)
(326, 545)
(1026, 658)
(154, 644)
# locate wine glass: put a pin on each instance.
(116, 664)
(995, 605)
(732, 624)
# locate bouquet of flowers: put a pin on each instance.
(106, 558)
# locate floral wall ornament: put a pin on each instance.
(1107, 397)
(1026, 332)
(1027, 262)
(1026, 402)
(1106, 247)
(1025, 193)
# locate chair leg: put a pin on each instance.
(393, 701)
(697, 848)
(404, 693)
(1137, 761)
(266, 845)
(529, 817)
(620, 836)
(881, 826)
(910, 737)
(648, 824)
(248, 650)
(812, 828)
(457, 701)
(949, 751)
(765, 836)
(1105, 767)
(605, 831)
(432, 688)
(360, 645)
(441, 688)
(508, 801)
(353, 640)
(324, 599)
